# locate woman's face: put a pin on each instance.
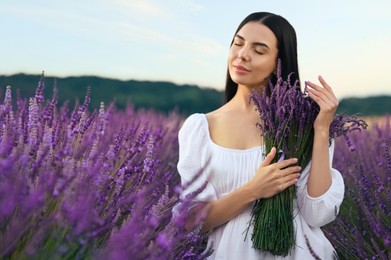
(253, 55)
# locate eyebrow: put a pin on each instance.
(255, 43)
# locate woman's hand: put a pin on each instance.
(271, 179)
(327, 101)
(319, 180)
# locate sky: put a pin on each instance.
(187, 41)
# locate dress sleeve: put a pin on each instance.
(321, 210)
(193, 137)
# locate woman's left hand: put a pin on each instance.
(327, 101)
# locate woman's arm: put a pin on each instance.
(269, 180)
(319, 180)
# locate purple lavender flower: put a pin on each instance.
(39, 91)
(287, 117)
(62, 197)
(7, 106)
(363, 226)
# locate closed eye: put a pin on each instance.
(260, 49)
(238, 43)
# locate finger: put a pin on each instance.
(324, 100)
(293, 179)
(329, 90)
(319, 97)
(285, 163)
(269, 158)
(326, 88)
(317, 93)
(290, 170)
(324, 83)
(313, 85)
(318, 90)
(322, 96)
(288, 181)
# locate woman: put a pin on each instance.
(226, 145)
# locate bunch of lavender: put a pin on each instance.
(287, 116)
(363, 228)
(80, 184)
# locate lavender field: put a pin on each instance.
(101, 183)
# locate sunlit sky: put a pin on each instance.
(186, 41)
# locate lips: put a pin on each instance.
(241, 68)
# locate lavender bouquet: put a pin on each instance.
(287, 117)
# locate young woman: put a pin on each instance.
(226, 147)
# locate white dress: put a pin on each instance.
(228, 169)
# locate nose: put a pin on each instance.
(243, 54)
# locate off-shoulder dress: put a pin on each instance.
(226, 169)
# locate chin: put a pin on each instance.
(246, 83)
(239, 80)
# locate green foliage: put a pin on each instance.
(368, 106)
(160, 96)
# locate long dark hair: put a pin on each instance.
(287, 48)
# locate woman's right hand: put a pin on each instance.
(271, 179)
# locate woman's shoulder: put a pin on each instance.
(194, 130)
(193, 124)
(196, 119)
(198, 123)
(217, 115)
(220, 116)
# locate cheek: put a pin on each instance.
(231, 56)
(267, 67)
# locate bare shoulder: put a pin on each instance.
(217, 116)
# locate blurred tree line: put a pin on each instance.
(368, 106)
(160, 96)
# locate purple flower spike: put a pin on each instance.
(362, 228)
(62, 197)
(39, 91)
(287, 116)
